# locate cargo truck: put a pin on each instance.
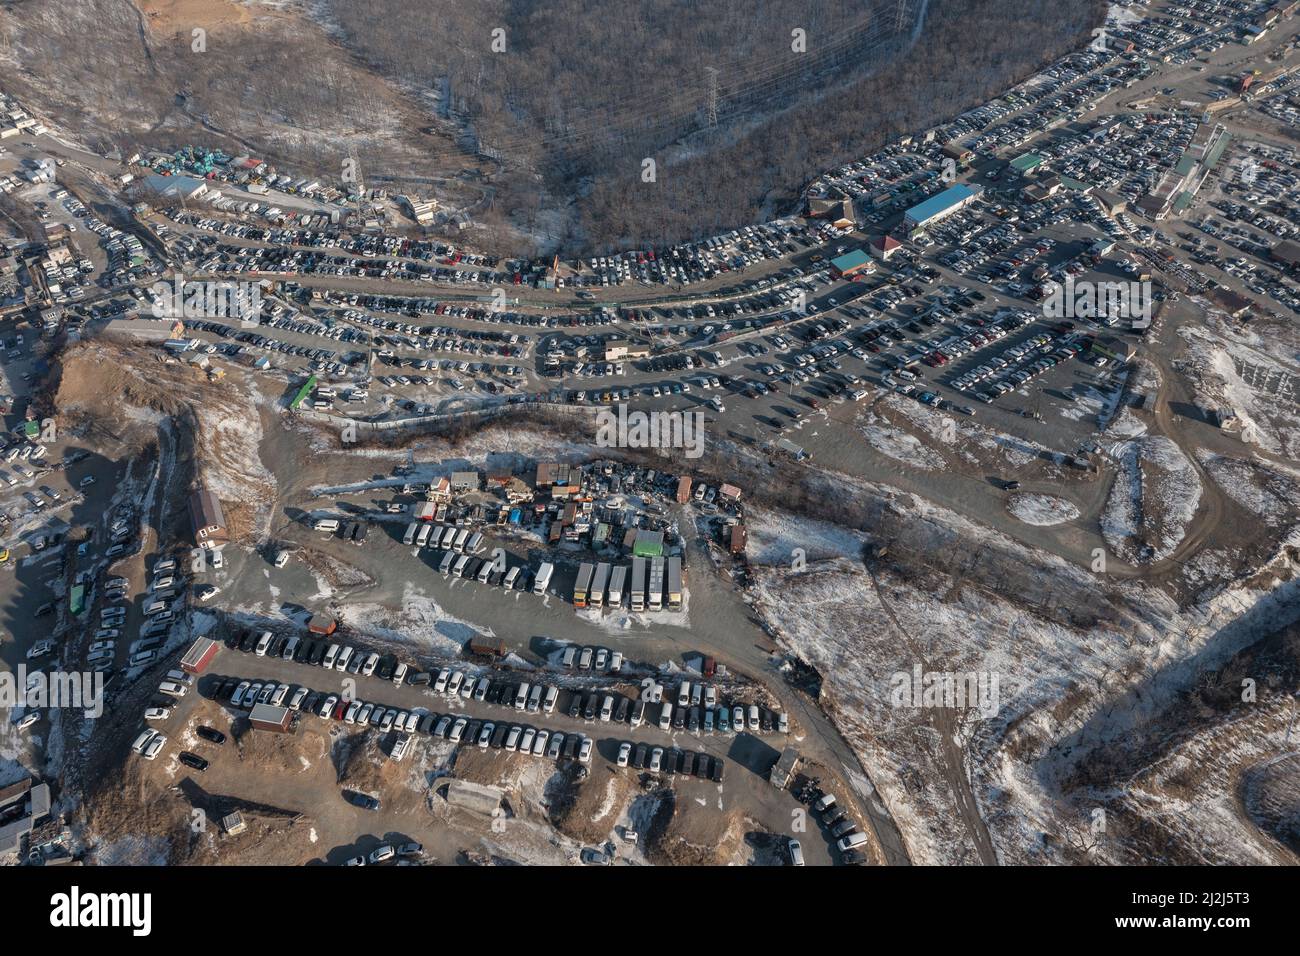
(638, 584)
(616, 579)
(582, 585)
(655, 593)
(674, 595)
(598, 582)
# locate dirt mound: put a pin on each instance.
(294, 753)
(99, 379)
(586, 809)
(697, 839)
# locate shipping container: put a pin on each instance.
(267, 717)
(487, 648)
(199, 655)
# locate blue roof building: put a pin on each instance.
(940, 205)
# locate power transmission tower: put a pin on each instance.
(711, 96)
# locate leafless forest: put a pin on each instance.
(568, 102)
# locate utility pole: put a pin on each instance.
(711, 96)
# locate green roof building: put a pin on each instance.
(648, 544)
(303, 392)
(1026, 162)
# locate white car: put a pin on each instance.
(624, 752)
(458, 729)
(172, 688)
(156, 713)
(208, 592)
(584, 750)
(29, 719)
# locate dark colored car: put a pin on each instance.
(362, 800)
(716, 776)
(209, 733)
(193, 761)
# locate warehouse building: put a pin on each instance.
(940, 206)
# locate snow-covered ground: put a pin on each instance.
(1082, 663)
(1152, 501)
(1042, 510)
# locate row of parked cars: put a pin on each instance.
(685, 763)
(457, 729)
